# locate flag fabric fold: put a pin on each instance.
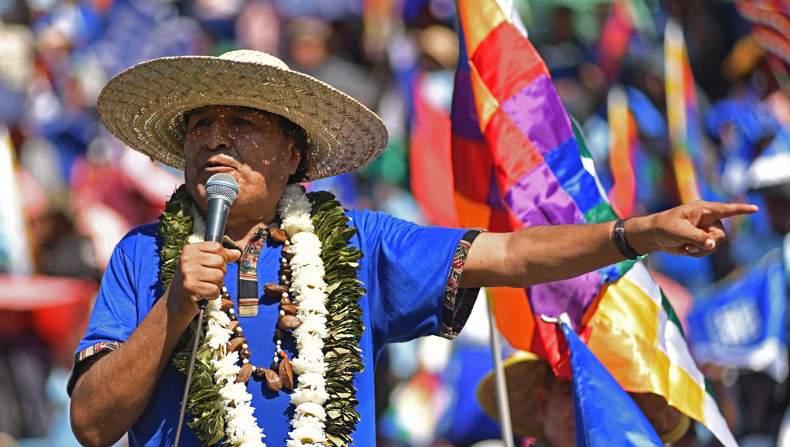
(604, 414)
(519, 161)
(622, 137)
(685, 132)
(691, 164)
(769, 21)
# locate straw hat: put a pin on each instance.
(525, 372)
(441, 44)
(144, 107)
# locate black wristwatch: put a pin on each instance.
(618, 237)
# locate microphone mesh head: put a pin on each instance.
(222, 185)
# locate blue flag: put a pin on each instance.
(740, 321)
(605, 415)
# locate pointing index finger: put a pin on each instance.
(724, 210)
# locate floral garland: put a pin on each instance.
(309, 292)
(324, 283)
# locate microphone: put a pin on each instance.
(221, 192)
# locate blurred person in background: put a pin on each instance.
(764, 400)
(43, 317)
(309, 51)
(25, 364)
(737, 327)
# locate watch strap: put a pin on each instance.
(620, 241)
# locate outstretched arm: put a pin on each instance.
(551, 253)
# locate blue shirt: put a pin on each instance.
(408, 271)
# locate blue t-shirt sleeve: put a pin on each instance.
(118, 310)
(406, 270)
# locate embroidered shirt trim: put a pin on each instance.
(458, 303)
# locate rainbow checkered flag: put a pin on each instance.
(518, 161)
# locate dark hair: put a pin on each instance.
(288, 129)
(775, 192)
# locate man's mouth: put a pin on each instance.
(217, 163)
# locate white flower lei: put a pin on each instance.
(241, 427)
(310, 293)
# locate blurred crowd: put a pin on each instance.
(71, 191)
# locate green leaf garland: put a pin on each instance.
(344, 322)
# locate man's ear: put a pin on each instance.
(296, 158)
(541, 398)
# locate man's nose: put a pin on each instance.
(218, 137)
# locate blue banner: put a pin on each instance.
(604, 414)
(740, 320)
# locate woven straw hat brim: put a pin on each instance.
(144, 107)
(524, 372)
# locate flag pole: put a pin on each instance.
(503, 406)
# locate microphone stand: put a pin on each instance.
(202, 306)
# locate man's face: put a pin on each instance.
(555, 409)
(779, 214)
(245, 143)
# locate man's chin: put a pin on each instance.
(197, 192)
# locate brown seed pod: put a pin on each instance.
(245, 353)
(278, 235)
(245, 373)
(225, 305)
(285, 274)
(289, 322)
(286, 373)
(273, 290)
(288, 252)
(289, 309)
(285, 300)
(232, 326)
(273, 381)
(259, 373)
(235, 343)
